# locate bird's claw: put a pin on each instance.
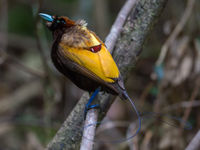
(88, 107)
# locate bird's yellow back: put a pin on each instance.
(100, 63)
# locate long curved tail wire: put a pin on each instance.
(187, 125)
(125, 96)
(137, 113)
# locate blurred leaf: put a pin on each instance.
(31, 123)
(154, 91)
(20, 20)
(159, 72)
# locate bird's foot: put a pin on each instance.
(88, 107)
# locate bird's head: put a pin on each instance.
(55, 22)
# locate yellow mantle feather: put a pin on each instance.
(100, 63)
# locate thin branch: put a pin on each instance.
(19, 97)
(4, 23)
(184, 104)
(147, 139)
(3, 27)
(14, 61)
(127, 49)
(21, 42)
(49, 81)
(133, 143)
(192, 98)
(195, 143)
(179, 27)
(116, 29)
(89, 130)
(145, 92)
(39, 43)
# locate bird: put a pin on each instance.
(80, 55)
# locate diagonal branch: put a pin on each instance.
(89, 130)
(117, 27)
(179, 27)
(195, 142)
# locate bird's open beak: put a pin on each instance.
(46, 17)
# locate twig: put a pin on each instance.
(118, 24)
(33, 141)
(133, 144)
(89, 130)
(48, 82)
(145, 92)
(21, 42)
(184, 104)
(176, 31)
(113, 124)
(39, 43)
(20, 96)
(146, 141)
(4, 23)
(169, 41)
(192, 98)
(3, 27)
(5, 127)
(195, 143)
(14, 61)
(127, 49)
(100, 17)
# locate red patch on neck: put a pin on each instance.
(95, 49)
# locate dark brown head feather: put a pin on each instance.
(60, 23)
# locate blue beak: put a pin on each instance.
(46, 17)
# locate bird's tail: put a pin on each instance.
(125, 96)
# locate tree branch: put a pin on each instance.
(195, 143)
(179, 27)
(20, 96)
(116, 29)
(128, 47)
(89, 130)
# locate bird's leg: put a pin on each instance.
(89, 105)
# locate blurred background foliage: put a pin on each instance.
(35, 99)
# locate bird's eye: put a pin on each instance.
(60, 21)
(95, 49)
(63, 21)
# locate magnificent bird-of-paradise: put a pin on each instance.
(80, 55)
